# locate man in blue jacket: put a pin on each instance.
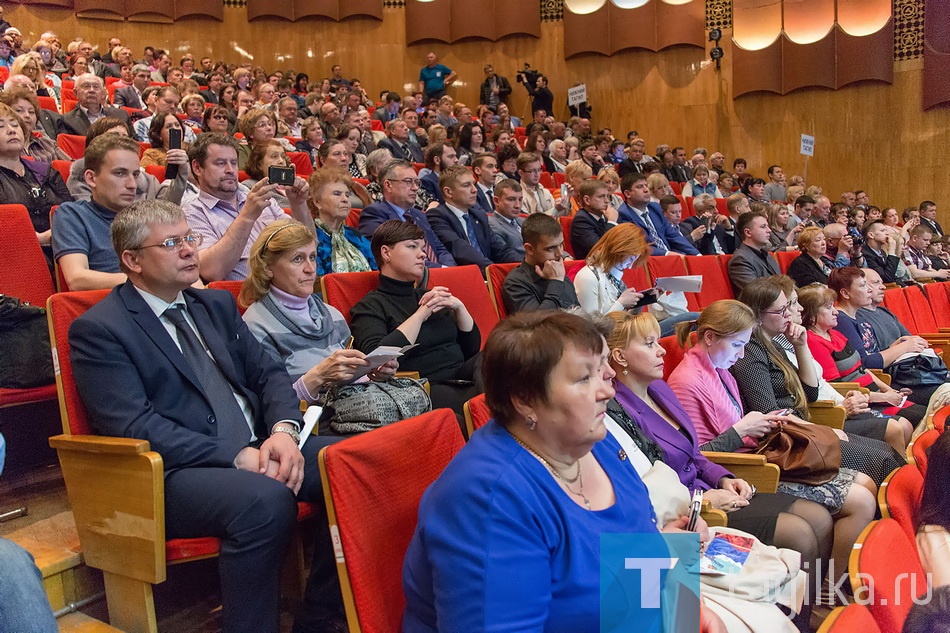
(160, 361)
(637, 208)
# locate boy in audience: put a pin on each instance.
(539, 282)
(591, 221)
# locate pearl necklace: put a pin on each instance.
(578, 478)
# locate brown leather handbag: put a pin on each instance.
(806, 453)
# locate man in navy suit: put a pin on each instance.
(400, 183)
(160, 361)
(463, 227)
(485, 167)
(439, 156)
(637, 208)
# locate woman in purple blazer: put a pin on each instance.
(778, 519)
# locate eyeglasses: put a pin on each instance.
(785, 311)
(219, 117)
(175, 244)
(409, 182)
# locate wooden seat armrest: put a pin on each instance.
(844, 387)
(827, 413)
(99, 444)
(712, 516)
(116, 490)
(944, 330)
(882, 375)
(753, 468)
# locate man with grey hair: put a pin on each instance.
(160, 361)
(131, 96)
(710, 232)
(92, 95)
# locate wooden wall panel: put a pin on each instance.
(428, 21)
(870, 135)
(936, 88)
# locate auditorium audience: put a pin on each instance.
(768, 382)
(462, 226)
(874, 331)
(916, 259)
(400, 313)
(264, 156)
(933, 516)
(840, 362)
(594, 218)
(645, 401)
(506, 222)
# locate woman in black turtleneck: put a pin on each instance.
(398, 313)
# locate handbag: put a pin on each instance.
(25, 357)
(806, 453)
(365, 406)
(923, 370)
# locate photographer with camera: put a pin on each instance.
(537, 86)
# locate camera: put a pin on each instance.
(857, 240)
(528, 75)
(281, 175)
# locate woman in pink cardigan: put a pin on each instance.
(715, 405)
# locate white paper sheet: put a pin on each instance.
(685, 283)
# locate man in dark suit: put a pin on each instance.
(506, 221)
(399, 144)
(131, 96)
(400, 183)
(928, 217)
(160, 361)
(485, 167)
(880, 251)
(463, 227)
(92, 95)
(591, 221)
(680, 170)
(638, 209)
(631, 164)
(390, 110)
(215, 83)
(752, 259)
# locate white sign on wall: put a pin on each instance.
(577, 94)
(808, 145)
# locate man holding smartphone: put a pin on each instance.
(228, 215)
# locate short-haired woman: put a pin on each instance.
(701, 184)
(508, 535)
(813, 265)
(340, 249)
(290, 319)
(400, 313)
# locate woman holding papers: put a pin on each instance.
(294, 325)
(400, 313)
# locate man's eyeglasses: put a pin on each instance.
(175, 244)
(533, 171)
(785, 311)
(409, 182)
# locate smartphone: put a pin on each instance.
(281, 175)
(694, 508)
(564, 190)
(174, 138)
(649, 296)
